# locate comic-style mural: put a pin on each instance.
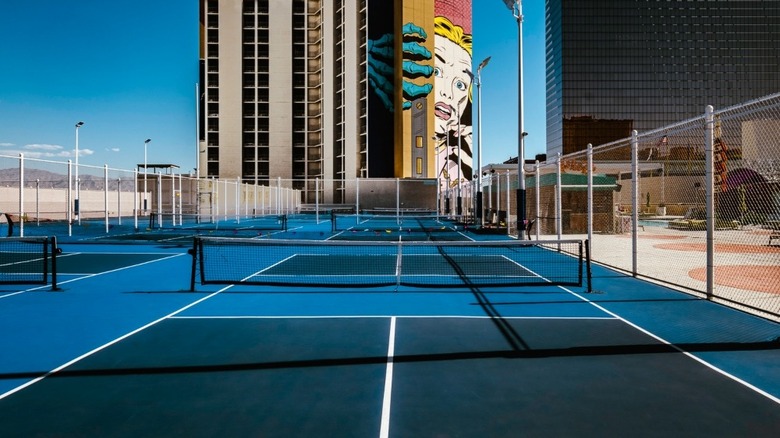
(435, 88)
(452, 95)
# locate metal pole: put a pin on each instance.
(105, 195)
(173, 200)
(76, 202)
(516, 6)
(538, 199)
(278, 194)
(709, 195)
(480, 213)
(590, 193)
(238, 199)
(70, 196)
(357, 200)
(180, 201)
(558, 199)
(119, 201)
(21, 195)
(498, 195)
(159, 199)
(135, 199)
(197, 152)
(398, 201)
(37, 202)
(460, 199)
(438, 180)
(146, 142)
(507, 201)
(634, 199)
(317, 199)
(490, 194)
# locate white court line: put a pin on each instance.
(597, 318)
(686, 353)
(90, 275)
(108, 344)
(118, 269)
(384, 429)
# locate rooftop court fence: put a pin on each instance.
(695, 204)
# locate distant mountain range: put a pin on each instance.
(52, 180)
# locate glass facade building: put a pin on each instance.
(618, 65)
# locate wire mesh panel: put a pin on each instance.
(425, 264)
(28, 260)
(746, 173)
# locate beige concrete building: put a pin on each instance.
(281, 96)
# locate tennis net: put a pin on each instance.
(28, 260)
(372, 264)
(381, 222)
(203, 223)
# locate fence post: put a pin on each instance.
(709, 196)
(37, 202)
(159, 199)
(105, 195)
(508, 184)
(21, 195)
(498, 200)
(238, 199)
(397, 201)
(538, 198)
(181, 200)
(70, 197)
(558, 199)
(135, 198)
(357, 200)
(279, 195)
(634, 199)
(590, 192)
(119, 201)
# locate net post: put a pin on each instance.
(54, 250)
(194, 253)
(398, 259)
(587, 267)
(45, 248)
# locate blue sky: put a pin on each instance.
(128, 69)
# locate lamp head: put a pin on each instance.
(483, 64)
(147, 140)
(510, 4)
(79, 124)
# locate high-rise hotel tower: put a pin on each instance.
(335, 90)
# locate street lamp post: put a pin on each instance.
(516, 6)
(78, 185)
(478, 82)
(459, 205)
(146, 142)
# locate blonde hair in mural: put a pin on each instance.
(454, 143)
(442, 26)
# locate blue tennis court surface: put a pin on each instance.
(124, 348)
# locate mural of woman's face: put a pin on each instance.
(452, 84)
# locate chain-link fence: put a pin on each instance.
(695, 204)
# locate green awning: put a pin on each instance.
(573, 182)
